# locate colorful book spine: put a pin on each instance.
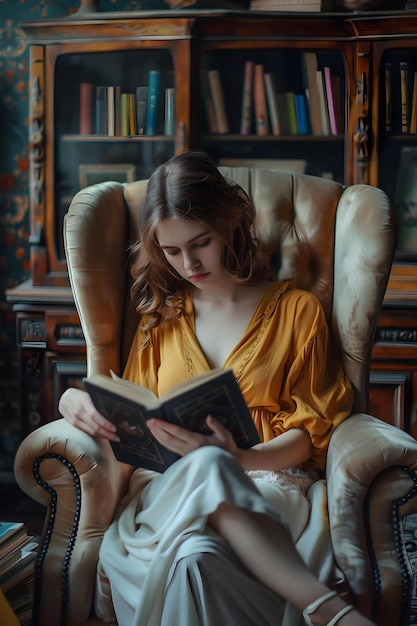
(86, 108)
(261, 111)
(247, 99)
(152, 103)
(388, 97)
(208, 103)
(111, 111)
(271, 97)
(141, 104)
(323, 109)
(404, 96)
(169, 128)
(301, 114)
(330, 100)
(132, 114)
(310, 66)
(101, 110)
(124, 110)
(217, 98)
(291, 112)
(413, 113)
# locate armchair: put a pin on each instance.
(334, 241)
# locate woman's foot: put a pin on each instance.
(331, 610)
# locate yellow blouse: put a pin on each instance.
(285, 363)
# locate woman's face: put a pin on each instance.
(193, 251)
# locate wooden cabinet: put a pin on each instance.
(119, 51)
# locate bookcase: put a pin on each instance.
(190, 50)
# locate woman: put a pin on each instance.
(215, 540)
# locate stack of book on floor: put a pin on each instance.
(18, 552)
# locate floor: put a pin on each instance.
(16, 506)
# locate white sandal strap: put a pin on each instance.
(315, 605)
(339, 615)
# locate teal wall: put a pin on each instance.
(14, 182)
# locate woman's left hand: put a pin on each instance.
(182, 441)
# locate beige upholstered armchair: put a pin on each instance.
(337, 242)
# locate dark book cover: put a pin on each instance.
(128, 406)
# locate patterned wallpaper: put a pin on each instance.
(14, 181)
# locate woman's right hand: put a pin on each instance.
(76, 406)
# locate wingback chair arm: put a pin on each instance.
(80, 482)
(364, 250)
(372, 484)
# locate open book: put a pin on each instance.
(128, 406)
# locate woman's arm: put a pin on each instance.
(76, 406)
(287, 450)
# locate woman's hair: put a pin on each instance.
(189, 186)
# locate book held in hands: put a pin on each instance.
(128, 406)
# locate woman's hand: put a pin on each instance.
(182, 441)
(77, 408)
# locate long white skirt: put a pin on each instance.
(160, 565)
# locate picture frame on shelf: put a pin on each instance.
(91, 174)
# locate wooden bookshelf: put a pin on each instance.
(364, 53)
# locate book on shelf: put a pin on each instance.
(338, 103)
(271, 98)
(323, 108)
(86, 108)
(388, 96)
(413, 110)
(128, 406)
(291, 112)
(124, 114)
(218, 100)
(310, 67)
(247, 99)
(141, 102)
(101, 110)
(111, 111)
(283, 113)
(169, 119)
(259, 98)
(327, 77)
(208, 102)
(152, 105)
(301, 114)
(117, 110)
(132, 114)
(404, 96)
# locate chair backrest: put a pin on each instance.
(335, 241)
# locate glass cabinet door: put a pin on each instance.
(114, 114)
(396, 150)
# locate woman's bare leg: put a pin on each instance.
(264, 546)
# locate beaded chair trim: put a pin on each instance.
(65, 588)
(406, 575)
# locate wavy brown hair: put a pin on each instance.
(190, 186)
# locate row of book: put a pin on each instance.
(286, 5)
(107, 110)
(18, 551)
(315, 110)
(400, 103)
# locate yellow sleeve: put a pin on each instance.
(316, 395)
